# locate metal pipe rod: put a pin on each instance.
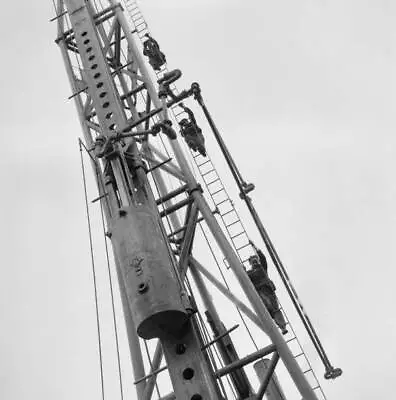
(159, 165)
(246, 360)
(217, 338)
(156, 372)
(175, 207)
(172, 194)
(182, 229)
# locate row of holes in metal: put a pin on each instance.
(100, 84)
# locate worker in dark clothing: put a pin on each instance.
(258, 274)
(191, 132)
(152, 51)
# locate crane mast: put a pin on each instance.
(126, 116)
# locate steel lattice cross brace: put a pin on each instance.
(124, 117)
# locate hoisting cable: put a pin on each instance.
(112, 300)
(330, 372)
(93, 272)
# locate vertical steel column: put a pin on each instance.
(134, 345)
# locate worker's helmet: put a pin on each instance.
(253, 260)
(184, 122)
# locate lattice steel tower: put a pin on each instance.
(155, 203)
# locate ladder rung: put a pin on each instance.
(221, 202)
(316, 387)
(217, 191)
(308, 370)
(242, 247)
(175, 207)
(300, 354)
(230, 211)
(172, 194)
(239, 234)
(233, 223)
(200, 165)
(209, 183)
(208, 172)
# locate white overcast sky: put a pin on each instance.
(304, 93)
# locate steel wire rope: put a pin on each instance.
(101, 189)
(93, 273)
(112, 296)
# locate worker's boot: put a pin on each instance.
(280, 321)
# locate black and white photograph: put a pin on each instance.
(199, 200)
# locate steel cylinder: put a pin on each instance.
(151, 284)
